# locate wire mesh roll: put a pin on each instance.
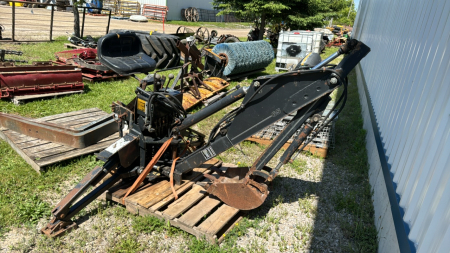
(245, 56)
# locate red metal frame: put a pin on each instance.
(63, 57)
(33, 80)
(155, 12)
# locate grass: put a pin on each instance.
(351, 155)
(24, 195)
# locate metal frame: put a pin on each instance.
(13, 16)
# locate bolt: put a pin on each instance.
(333, 80)
(256, 84)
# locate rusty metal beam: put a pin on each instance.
(74, 137)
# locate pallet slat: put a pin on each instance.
(195, 214)
(79, 119)
(218, 219)
(39, 153)
(192, 206)
(67, 114)
(185, 202)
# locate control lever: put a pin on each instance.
(171, 76)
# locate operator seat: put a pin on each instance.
(122, 52)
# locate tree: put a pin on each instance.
(76, 18)
(347, 15)
(252, 8)
(296, 14)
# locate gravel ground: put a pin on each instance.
(298, 215)
(32, 26)
(298, 209)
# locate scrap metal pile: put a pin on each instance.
(3, 54)
(87, 61)
(158, 145)
(39, 78)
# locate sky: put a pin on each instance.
(356, 2)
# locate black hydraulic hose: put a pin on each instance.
(344, 95)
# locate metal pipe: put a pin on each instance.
(109, 20)
(82, 27)
(210, 110)
(327, 60)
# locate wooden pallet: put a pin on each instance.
(321, 152)
(17, 100)
(194, 211)
(70, 45)
(96, 14)
(39, 153)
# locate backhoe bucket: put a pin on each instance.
(237, 190)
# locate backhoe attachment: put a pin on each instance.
(157, 142)
(269, 99)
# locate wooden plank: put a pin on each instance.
(185, 188)
(158, 196)
(21, 153)
(170, 198)
(322, 152)
(29, 144)
(185, 202)
(196, 213)
(56, 150)
(45, 153)
(193, 204)
(18, 99)
(77, 152)
(154, 189)
(78, 119)
(218, 219)
(17, 137)
(39, 153)
(42, 148)
(69, 45)
(67, 114)
(222, 237)
(116, 193)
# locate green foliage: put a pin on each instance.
(147, 224)
(351, 155)
(346, 15)
(299, 165)
(346, 202)
(127, 245)
(31, 210)
(229, 243)
(297, 14)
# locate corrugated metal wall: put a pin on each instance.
(408, 78)
(175, 7)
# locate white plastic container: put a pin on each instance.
(293, 46)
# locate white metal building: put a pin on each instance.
(175, 6)
(404, 86)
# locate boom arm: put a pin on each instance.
(156, 118)
(269, 99)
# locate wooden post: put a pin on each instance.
(51, 22)
(13, 20)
